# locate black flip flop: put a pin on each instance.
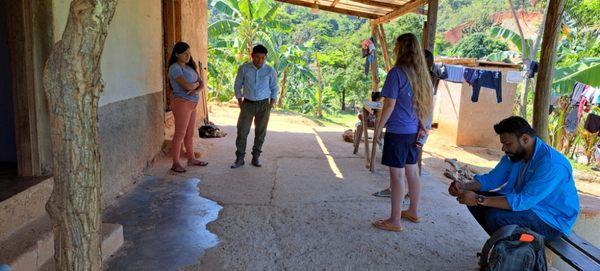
(199, 164)
(178, 170)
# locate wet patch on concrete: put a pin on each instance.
(164, 224)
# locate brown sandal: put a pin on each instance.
(384, 225)
(410, 218)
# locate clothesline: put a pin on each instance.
(477, 78)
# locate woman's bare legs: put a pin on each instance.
(414, 189)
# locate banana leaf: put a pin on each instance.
(586, 71)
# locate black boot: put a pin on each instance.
(238, 163)
(256, 161)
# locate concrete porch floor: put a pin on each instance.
(309, 207)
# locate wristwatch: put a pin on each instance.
(480, 199)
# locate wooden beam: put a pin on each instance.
(406, 8)
(357, 7)
(543, 87)
(432, 11)
(334, 3)
(331, 9)
(378, 4)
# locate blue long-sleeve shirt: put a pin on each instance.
(548, 187)
(256, 84)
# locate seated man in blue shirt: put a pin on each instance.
(533, 185)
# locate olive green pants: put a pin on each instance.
(258, 111)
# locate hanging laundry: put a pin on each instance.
(367, 47)
(514, 77)
(368, 61)
(587, 98)
(572, 121)
(589, 93)
(596, 97)
(455, 73)
(578, 90)
(592, 124)
(583, 106)
(484, 78)
(368, 52)
(532, 68)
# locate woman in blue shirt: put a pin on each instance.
(186, 84)
(407, 105)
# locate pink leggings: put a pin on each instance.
(184, 112)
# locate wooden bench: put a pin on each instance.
(576, 252)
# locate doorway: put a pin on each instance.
(8, 153)
(171, 34)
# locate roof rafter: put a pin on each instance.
(378, 4)
(406, 8)
(380, 11)
(332, 9)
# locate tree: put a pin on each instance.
(73, 83)
(478, 46)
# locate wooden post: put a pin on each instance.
(546, 68)
(384, 48)
(424, 36)
(365, 128)
(432, 11)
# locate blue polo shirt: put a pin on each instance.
(256, 84)
(548, 187)
(404, 118)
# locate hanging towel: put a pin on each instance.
(484, 78)
(514, 77)
(455, 73)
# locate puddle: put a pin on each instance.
(164, 225)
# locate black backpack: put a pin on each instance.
(513, 248)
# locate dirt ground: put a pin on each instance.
(308, 208)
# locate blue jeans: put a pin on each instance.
(491, 219)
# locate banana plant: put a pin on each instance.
(244, 20)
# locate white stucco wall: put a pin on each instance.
(133, 58)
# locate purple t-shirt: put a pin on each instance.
(404, 118)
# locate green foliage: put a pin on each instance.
(585, 71)
(293, 36)
(480, 25)
(478, 45)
